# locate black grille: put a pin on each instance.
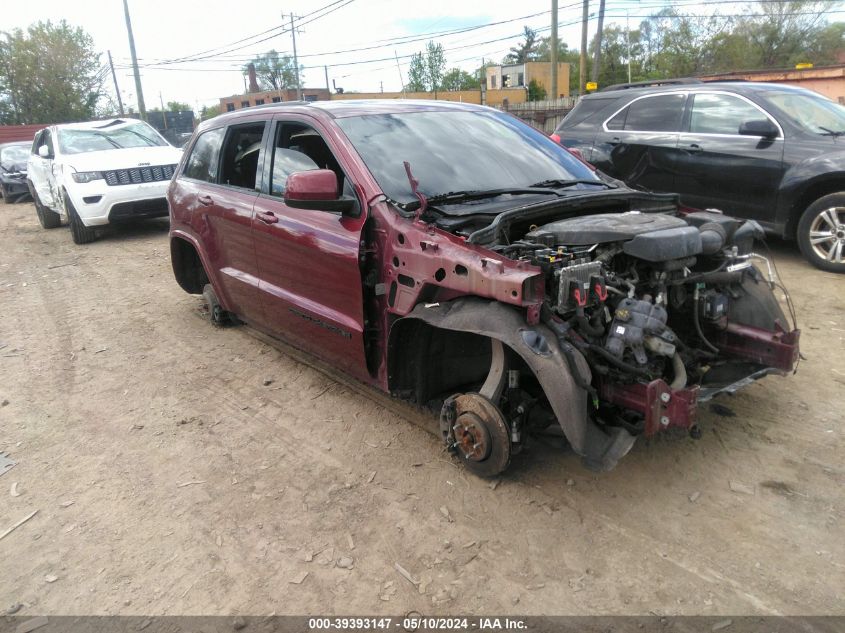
(138, 175)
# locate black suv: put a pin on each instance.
(766, 152)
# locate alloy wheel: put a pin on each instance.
(827, 234)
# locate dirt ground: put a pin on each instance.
(169, 479)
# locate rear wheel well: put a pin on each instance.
(187, 266)
(809, 196)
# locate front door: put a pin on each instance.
(308, 261)
(719, 168)
(638, 144)
(42, 168)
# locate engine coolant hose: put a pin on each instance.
(680, 379)
(585, 326)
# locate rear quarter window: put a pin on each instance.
(660, 113)
(586, 109)
(203, 162)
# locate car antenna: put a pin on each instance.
(419, 194)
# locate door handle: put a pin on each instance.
(268, 217)
(205, 201)
(695, 148)
(614, 141)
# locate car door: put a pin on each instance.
(42, 167)
(216, 190)
(638, 143)
(720, 168)
(308, 260)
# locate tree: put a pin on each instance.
(435, 65)
(177, 106)
(417, 74)
(209, 112)
(275, 72)
(425, 73)
(48, 74)
(536, 92)
(457, 79)
(523, 52)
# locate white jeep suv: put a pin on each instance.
(91, 174)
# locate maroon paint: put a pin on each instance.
(319, 184)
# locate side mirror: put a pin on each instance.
(44, 151)
(759, 127)
(316, 190)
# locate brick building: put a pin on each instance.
(238, 102)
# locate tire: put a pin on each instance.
(216, 314)
(821, 233)
(80, 233)
(5, 194)
(47, 218)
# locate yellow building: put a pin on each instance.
(521, 75)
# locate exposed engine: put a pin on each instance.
(646, 297)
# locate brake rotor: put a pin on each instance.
(476, 430)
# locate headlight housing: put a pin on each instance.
(86, 176)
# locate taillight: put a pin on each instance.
(555, 138)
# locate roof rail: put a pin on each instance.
(653, 83)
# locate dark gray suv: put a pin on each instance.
(766, 152)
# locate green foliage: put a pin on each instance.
(435, 65)
(275, 71)
(177, 106)
(208, 112)
(457, 79)
(417, 74)
(425, 73)
(669, 44)
(48, 74)
(536, 92)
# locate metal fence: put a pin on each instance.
(543, 115)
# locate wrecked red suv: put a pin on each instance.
(459, 259)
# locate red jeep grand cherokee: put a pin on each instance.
(459, 259)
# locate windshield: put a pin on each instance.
(120, 136)
(14, 154)
(813, 113)
(457, 151)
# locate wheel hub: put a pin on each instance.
(475, 429)
(471, 437)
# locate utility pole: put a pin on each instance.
(295, 59)
(582, 66)
(628, 42)
(163, 113)
(553, 52)
(399, 69)
(116, 89)
(381, 86)
(326, 70)
(142, 109)
(599, 34)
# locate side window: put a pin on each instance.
(36, 142)
(661, 113)
(721, 114)
(48, 141)
(239, 165)
(299, 147)
(202, 163)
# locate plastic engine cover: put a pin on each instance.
(604, 228)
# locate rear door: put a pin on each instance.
(638, 143)
(308, 260)
(718, 167)
(218, 188)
